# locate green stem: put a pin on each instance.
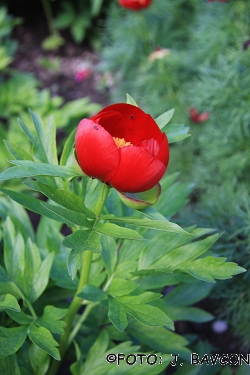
(83, 280)
(30, 307)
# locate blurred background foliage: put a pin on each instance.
(175, 54)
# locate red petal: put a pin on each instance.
(138, 171)
(163, 153)
(97, 153)
(134, 125)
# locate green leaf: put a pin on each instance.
(117, 314)
(51, 319)
(177, 132)
(121, 287)
(20, 317)
(188, 294)
(116, 231)
(162, 225)
(109, 253)
(7, 286)
(11, 339)
(130, 100)
(31, 169)
(74, 262)
(210, 268)
(41, 278)
(173, 259)
(32, 265)
(9, 365)
(27, 132)
(17, 151)
(14, 253)
(164, 119)
(42, 337)
(92, 293)
(65, 198)
(9, 302)
(67, 148)
(149, 315)
(38, 125)
(160, 339)
(49, 141)
(31, 203)
(191, 314)
(39, 360)
(139, 299)
(82, 240)
(69, 216)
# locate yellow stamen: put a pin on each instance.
(120, 142)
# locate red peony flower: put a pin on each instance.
(124, 147)
(135, 4)
(195, 116)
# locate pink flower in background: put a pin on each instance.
(82, 74)
(197, 117)
(135, 4)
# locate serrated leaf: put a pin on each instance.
(117, 314)
(82, 240)
(149, 315)
(9, 302)
(65, 198)
(211, 268)
(162, 225)
(130, 100)
(42, 337)
(11, 339)
(51, 319)
(116, 231)
(164, 119)
(177, 132)
(92, 293)
(121, 287)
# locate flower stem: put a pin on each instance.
(83, 280)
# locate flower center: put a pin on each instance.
(120, 142)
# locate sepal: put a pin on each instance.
(140, 201)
